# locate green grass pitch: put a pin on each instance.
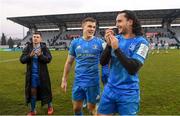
(159, 83)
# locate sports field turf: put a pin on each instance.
(159, 82)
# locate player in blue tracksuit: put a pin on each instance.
(86, 51)
(127, 52)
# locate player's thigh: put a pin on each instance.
(93, 94)
(78, 94)
(130, 108)
(128, 104)
(107, 105)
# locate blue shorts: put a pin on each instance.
(112, 102)
(35, 81)
(91, 94)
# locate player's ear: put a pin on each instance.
(130, 22)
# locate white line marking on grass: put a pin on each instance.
(9, 60)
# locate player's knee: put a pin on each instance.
(91, 107)
(77, 109)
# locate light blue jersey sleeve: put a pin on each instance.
(72, 48)
(141, 50)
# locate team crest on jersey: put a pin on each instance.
(143, 50)
(95, 46)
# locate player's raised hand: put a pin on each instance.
(108, 33)
(64, 85)
(32, 53)
(114, 42)
(39, 52)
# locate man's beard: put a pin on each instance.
(122, 32)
